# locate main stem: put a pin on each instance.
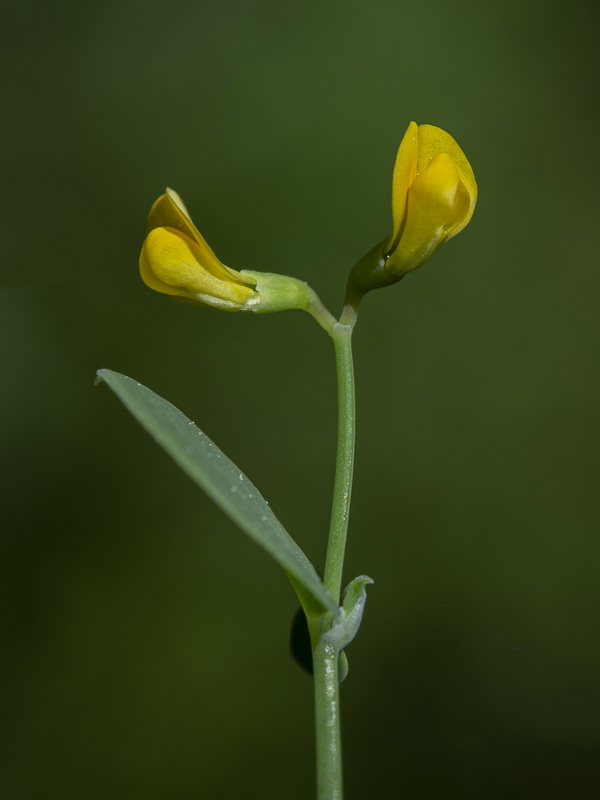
(326, 657)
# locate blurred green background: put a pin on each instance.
(144, 639)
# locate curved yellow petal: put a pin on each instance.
(434, 196)
(437, 202)
(405, 171)
(432, 142)
(172, 263)
(176, 198)
(170, 212)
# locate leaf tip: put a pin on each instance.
(99, 377)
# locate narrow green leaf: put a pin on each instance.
(197, 455)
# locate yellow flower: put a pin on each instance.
(176, 260)
(433, 197)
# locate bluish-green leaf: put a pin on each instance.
(197, 455)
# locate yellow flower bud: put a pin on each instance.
(433, 197)
(176, 260)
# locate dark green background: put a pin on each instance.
(144, 639)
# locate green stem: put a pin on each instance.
(344, 464)
(327, 723)
(325, 656)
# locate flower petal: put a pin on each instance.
(405, 171)
(172, 263)
(432, 142)
(170, 212)
(437, 203)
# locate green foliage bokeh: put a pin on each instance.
(145, 639)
